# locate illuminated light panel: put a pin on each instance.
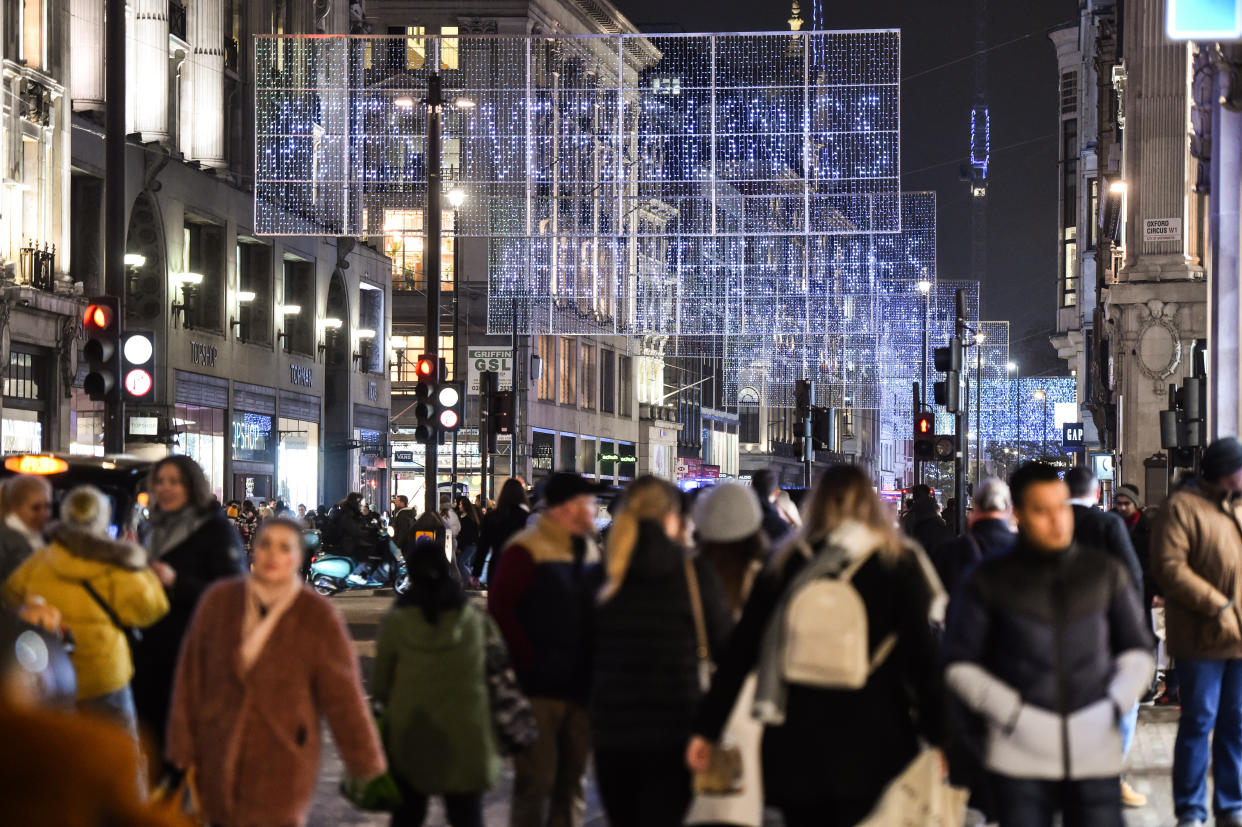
(36, 464)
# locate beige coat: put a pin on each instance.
(1196, 557)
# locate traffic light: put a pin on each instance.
(944, 448)
(102, 321)
(449, 402)
(949, 362)
(425, 403)
(924, 436)
(501, 412)
(138, 366)
(804, 397)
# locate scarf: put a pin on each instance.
(34, 538)
(170, 529)
(843, 546)
(266, 604)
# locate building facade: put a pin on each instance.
(271, 369)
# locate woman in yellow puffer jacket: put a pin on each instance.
(81, 553)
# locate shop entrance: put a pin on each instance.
(253, 487)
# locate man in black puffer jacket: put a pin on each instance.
(1048, 645)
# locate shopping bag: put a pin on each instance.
(920, 797)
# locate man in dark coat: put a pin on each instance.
(766, 488)
(1105, 531)
(923, 521)
(1128, 505)
(989, 533)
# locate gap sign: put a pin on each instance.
(1204, 19)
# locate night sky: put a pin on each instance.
(1020, 285)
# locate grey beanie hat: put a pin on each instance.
(727, 513)
(1222, 458)
(1131, 493)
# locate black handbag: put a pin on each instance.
(512, 715)
(133, 635)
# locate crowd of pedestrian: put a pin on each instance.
(710, 655)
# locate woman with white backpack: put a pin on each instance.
(849, 682)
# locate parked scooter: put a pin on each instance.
(330, 571)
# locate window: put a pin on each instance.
(1093, 211)
(569, 452)
(32, 23)
(586, 379)
(748, 416)
(607, 381)
(299, 293)
(448, 47)
(403, 243)
(625, 375)
(203, 292)
(1069, 93)
(567, 370)
(254, 294)
(1069, 213)
(369, 335)
(547, 379)
(415, 47)
(407, 348)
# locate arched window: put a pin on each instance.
(748, 416)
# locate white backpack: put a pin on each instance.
(826, 637)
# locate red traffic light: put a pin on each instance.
(97, 317)
(426, 367)
(923, 424)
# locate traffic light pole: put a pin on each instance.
(961, 425)
(431, 267)
(917, 409)
(114, 202)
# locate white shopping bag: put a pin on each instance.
(920, 797)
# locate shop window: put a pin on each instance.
(297, 462)
(200, 436)
(586, 380)
(748, 416)
(86, 424)
(607, 381)
(202, 279)
(625, 392)
(252, 437)
(567, 370)
(297, 312)
(569, 452)
(547, 379)
(254, 293)
(543, 448)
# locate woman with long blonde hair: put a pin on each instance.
(836, 730)
(656, 604)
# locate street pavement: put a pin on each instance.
(1148, 768)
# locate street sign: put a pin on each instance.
(403, 456)
(497, 360)
(1204, 19)
(1072, 434)
(1162, 229)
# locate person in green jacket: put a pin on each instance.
(430, 687)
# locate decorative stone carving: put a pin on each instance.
(6, 310)
(71, 332)
(1159, 342)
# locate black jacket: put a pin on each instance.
(953, 559)
(774, 524)
(1140, 538)
(836, 743)
(924, 524)
(499, 526)
(646, 680)
(1047, 631)
(211, 553)
(1107, 532)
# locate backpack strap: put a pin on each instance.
(881, 653)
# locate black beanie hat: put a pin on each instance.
(1222, 458)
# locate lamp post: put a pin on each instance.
(456, 197)
(1043, 394)
(924, 286)
(1012, 368)
(431, 254)
(978, 406)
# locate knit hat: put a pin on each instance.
(727, 513)
(1222, 458)
(1131, 493)
(85, 508)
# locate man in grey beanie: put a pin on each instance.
(1196, 558)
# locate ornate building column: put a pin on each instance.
(202, 103)
(148, 69)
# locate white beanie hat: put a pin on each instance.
(726, 513)
(86, 509)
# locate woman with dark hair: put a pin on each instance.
(501, 523)
(468, 537)
(844, 699)
(430, 683)
(657, 611)
(265, 661)
(191, 545)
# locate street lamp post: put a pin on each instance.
(925, 287)
(1043, 394)
(456, 198)
(978, 406)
